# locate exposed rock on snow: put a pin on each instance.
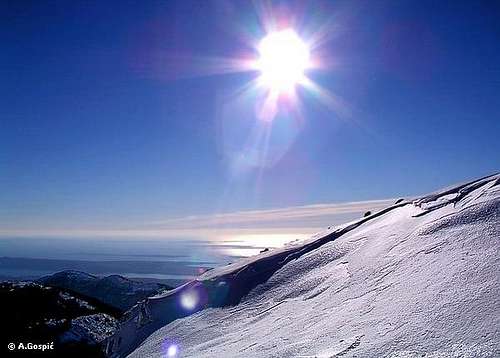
(419, 278)
(92, 329)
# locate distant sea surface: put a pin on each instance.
(169, 261)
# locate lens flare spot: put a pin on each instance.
(189, 300)
(172, 351)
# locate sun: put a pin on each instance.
(283, 59)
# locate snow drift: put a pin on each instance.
(419, 278)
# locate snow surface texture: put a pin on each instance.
(420, 278)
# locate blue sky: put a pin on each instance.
(111, 115)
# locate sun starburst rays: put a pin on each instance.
(261, 117)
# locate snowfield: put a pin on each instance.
(420, 278)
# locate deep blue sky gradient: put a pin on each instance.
(99, 127)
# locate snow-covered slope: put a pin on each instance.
(420, 278)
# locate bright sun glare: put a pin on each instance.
(283, 59)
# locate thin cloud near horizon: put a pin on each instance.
(304, 219)
(292, 213)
